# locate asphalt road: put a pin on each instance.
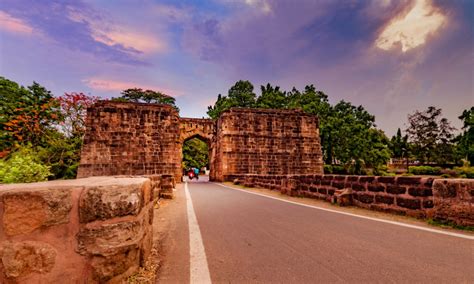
(254, 239)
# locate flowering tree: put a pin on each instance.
(73, 107)
(26, 114)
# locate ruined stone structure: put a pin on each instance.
(92, 230)
(262, 141)
(130, 139)
(146, 139)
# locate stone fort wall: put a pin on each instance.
(131, 139)
(266, 141)
(146, 139)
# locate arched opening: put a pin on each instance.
(196, 154)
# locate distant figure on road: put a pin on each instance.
(191, 173)
(196, 172)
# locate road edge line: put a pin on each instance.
(199, 269)
(356, 215)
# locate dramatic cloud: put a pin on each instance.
(114, 35)
(14, 25)
(65, 23)
(200, 48)
(412, 29)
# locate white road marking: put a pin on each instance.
(199, 270)
(358, 216)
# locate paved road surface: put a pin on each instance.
(254, 239)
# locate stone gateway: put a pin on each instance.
(146, 139)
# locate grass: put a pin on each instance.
(449, 225)
(148, 273)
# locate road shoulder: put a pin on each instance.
(347, 209)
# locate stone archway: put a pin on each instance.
(203, 129)
(189, 127)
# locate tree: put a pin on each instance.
(47, 131)
(26, 114)
(73, 107)
(376, 152)
(195, 154)
(220, 106)
(345, 133)
(465, 141)
(272, 97)
(239, 95)
(310, 100)
(445, 146)
(399, 145)
(138, 95)
(430, 135)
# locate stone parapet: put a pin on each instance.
(91, 230)
(423, 197)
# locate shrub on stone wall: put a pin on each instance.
(424, 170)
(467, 172)
(335, 169)
(23, 166)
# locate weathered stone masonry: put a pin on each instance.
(440, 199)
(131, 139)
(146, 139)
(92, 230)
(261, 141)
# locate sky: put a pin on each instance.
(391, 56)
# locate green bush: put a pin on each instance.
(23, 166)
(381, 171)
(424, 170)
(339, 170)
(467, 172)
(327, 169)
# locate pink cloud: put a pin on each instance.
(11, 24)
(114, 85)
(113, 34)
(129, 39)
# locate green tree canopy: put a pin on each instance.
(239, 95)
(399, 145)
(26, 114)
(430, 136)
(272, 97)
(195, 154)
(138, 95)
(465, 140)
(45, 131)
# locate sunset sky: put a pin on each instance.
(391, 56)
